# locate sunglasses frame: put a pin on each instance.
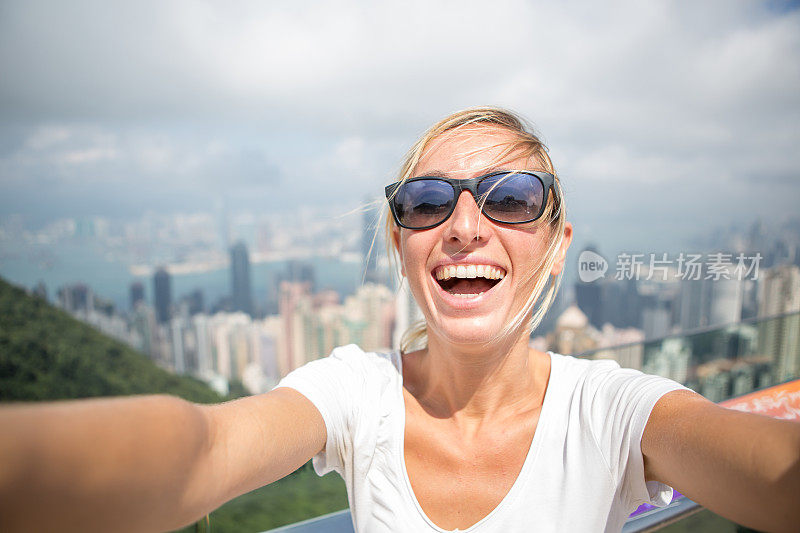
(460, 185)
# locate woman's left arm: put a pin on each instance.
(743, 466)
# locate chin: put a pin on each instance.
(468, 332)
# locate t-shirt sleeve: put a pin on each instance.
(621, 402)
(331, 384)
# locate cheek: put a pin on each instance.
(528, 253)
(414, 251)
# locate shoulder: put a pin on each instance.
(354, 358)
(580, 372)
(347, 367)
(347, 383)
(612, 405)
(353, 354)
(604, 391)
(599, 373)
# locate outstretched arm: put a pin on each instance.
(743, 466)
(147, 463)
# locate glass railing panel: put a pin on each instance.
(338, 522)
(720, 363)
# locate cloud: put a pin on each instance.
(361, 67)
(255, 98)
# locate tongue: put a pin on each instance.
(470, 286)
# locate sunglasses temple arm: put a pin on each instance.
(557, 197)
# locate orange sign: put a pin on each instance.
(780, 401)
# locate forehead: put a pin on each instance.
(472, 149)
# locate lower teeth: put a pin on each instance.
(467, 295)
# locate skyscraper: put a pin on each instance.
(162, 289)
(780, 337)
(76, 298)
(194, 302)
(295, 309)
(726, 300)
(240, 279)
(137, 293)
(588, 296)
(710, 302)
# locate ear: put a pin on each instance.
(561, 255)
(399, 249)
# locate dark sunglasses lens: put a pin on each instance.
(423, 203)
(512, 197)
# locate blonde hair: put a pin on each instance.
(526, 144)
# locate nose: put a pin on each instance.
(466, 224)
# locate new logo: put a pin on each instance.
(591, 266)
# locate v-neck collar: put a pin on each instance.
(522, 476)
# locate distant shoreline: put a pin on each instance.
(223, 262)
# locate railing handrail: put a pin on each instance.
(696, 331)
(335, 522)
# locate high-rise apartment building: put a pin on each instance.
(588, 296)
(136, 293)
(241, 294)
(76, 298)
(295, 309)
(671, 360)
(162, 289)
(296, 272)
(779, 337)
(372, 309)
(780, 291)
(708, 302)
(726, 298)
(658, 293)
(193, 303)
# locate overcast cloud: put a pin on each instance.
(663, 118)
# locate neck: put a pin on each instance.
(474, 383)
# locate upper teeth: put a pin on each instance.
(469, 271)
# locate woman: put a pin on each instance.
(471, 431)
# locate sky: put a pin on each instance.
(664, 119)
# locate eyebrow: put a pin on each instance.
(435, 174)
(439, 174)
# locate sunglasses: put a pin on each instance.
(508, 197)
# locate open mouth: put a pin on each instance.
(468, 281)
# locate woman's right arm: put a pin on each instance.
(148, 463)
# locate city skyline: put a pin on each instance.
(254, 337)
(225, 346)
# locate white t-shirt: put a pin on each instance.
(583, 472)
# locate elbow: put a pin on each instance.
(191, 445)
(789, 482)
(784, 485)
(200, 490)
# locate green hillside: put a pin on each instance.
(45, 354)
(299, 496)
